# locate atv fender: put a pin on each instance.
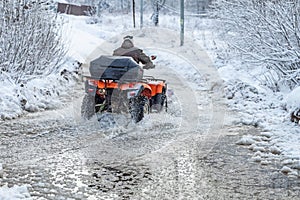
(139, 90)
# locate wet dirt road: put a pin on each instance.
(72, 161)
(186, 153)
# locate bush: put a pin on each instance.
(264, 33)
(30, 42)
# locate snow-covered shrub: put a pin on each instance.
(293, 100)
(264, 33)
(292, 104)
(40, 93)
(30, 43)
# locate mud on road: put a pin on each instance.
(67, 164)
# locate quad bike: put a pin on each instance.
(117, 85)
(295, 116)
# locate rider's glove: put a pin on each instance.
(149, 66)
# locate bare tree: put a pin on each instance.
(265, 33)
(30, 43)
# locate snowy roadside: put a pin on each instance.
(41, 92)
(257, 105)
(38, 94)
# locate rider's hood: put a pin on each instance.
(127, 44)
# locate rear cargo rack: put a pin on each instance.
(146, 79)
(151, 78)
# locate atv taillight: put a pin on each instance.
(132, 94)
(153, 57)
(92, 82)
(130, 85)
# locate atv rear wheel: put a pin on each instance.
(158, 102)
(88, 106)
(138, 107)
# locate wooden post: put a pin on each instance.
(181, 22)
(142, 10)
(133, 12)
(156, 13)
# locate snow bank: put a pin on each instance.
(38, 94)
(292, 100)
(10, 102)
(14, 193)
(257, 105)
(45, 92)
(42, 92)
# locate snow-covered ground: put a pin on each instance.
(255, 104)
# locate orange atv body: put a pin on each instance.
(117, 90)
(150, 88)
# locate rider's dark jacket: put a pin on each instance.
(128, 49)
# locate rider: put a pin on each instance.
(128, 49)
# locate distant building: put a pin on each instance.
(75, 9)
